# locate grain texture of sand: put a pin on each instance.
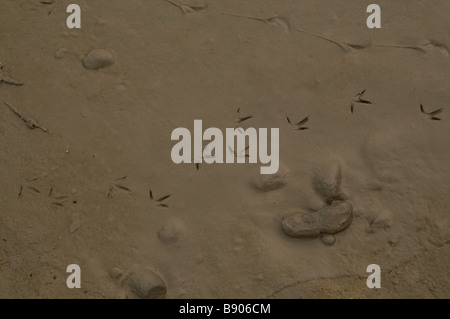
(81, 195)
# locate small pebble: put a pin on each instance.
(98, 58)
(146, 284)
(75, 225)
(115, 272)
(328, 239)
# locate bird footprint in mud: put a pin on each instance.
(5, 78)
(431, 115)
(28, 187)
(428, 46)
(241, 153)
(275, 20)
(27, 119)
(299, 126)
(53, 4)
(358, 99)
(347, 47)
(57, 200)
(240, 118)
(159, 201)
(185, 9)
(115, 185)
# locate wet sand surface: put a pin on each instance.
(86, 145)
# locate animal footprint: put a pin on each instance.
(240, 154)
(115, 185)
(240, 118)
(298, 126)
(428, 46)
(29, 121)
(347, 47)
(185, 9)
(358, 99)
(431, 115)
(5, 78)
(27, 186)
(159, 201)
(57, 200)
(275, 21)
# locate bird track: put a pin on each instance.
(358, 99)
(159, 201)
(5, 78)
(29, 121)
(115, 185)
(186, 9)
(299, 126)
(431, 115)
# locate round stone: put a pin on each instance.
(146, 284)
(327, 182)
(98, 58)
(300, 224)
(115, 272)
(328, 239)
(330, 219)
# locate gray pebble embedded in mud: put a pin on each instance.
(330, 219)
(146, 284)
(98, 58)
(328, 239)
